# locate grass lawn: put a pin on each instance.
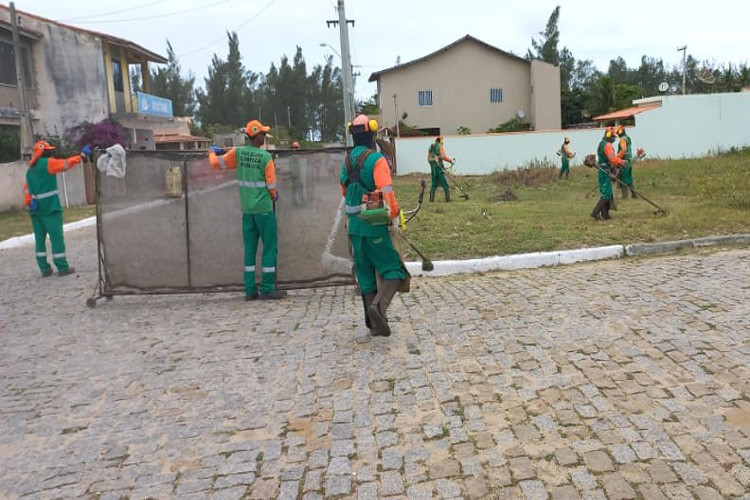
(706, 196)
(17, 222)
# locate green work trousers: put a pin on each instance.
(375, 253)
(260, 227)
(438, 177)
(605, 184)
(51, 224)
(626, 174)
(565, 165)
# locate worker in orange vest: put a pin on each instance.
(42, 199)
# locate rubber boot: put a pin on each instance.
(567, 172)
(432, 195)
(379, 307)
(367, 299)
(448, 196)
(605, 210)
(597, 210)
(624, 192)
(67, 271)
(272, 295)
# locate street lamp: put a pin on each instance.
(334, 50)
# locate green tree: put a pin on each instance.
(169, 83)
(228, 97)
(602, 99)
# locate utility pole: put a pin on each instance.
(684, 62)
(346, 64)
(288, 118)
(27, 133)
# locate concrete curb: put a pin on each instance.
(671, 246)
(28, 239)
(501, 262)
(518, 261)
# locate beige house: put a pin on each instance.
(74, 75)
(470, 84)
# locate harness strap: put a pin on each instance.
(354, 172)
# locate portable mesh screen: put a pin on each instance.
(173, 224)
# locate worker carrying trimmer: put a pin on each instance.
(370, 204)
(607, 162)
(566, 155)
(42, 199)
(625, 152)
(435, 156)
(256, 176)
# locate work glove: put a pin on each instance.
(33, 205)
(275, 197)
(217, 150)
(86, 151)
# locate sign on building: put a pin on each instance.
(154, 106)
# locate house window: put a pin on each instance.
(117, 74)
(8, 65)
(425, 97)
(496, 95)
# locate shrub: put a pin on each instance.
(10, 144)
(104, 134)
(512, 125)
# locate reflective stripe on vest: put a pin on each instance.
(44, 195)
(387, 189)
(221, 162)
(252, 184)
(269, 269)
(352, 209)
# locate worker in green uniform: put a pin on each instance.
(435, 156)
(43, 201)
(366, 182)
(607, 161)
(625, 153)
(566, 155)
(256, 176)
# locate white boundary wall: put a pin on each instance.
(683, 127)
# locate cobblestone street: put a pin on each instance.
(611, 380)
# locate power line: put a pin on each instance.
(242, 25)
(158, 16)
(107, 14)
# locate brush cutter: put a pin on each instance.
(591, 162)
(447, 172)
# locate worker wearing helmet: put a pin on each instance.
(566, 155)
(435, 156)
(43, 201)
(256, 176)
(295, 176)
(606, 158)
(625, 152)
(365, 176)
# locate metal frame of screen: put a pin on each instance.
(126, 227)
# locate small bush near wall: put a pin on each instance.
(512, 125)
(10, 144)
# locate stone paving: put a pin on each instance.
(611, 380)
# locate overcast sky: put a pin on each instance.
(716, 30)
